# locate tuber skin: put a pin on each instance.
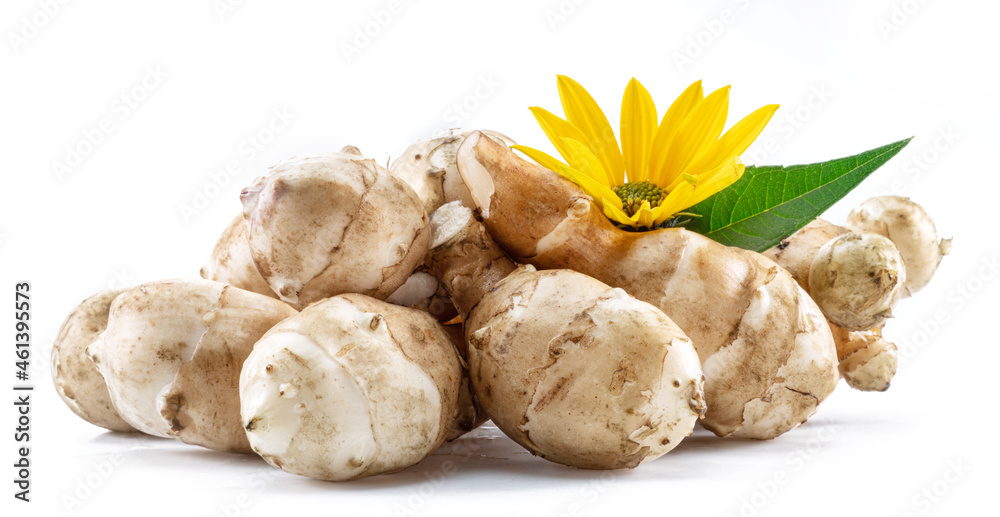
(867, 281)
(172, 353)
(867, 361)
(417, 292)
(351, 387)
(797, 252)
(840, 263)
(912, 230)
(423, 291)
(428, 166)
(231, 262)
(766, 350)
(334, 223)
(575, 371)
(855, 278)
(471, 413)
(77, 380)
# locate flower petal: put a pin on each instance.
(659, 215)
(672, 120)
(556, 129)
(584, 161)
(701, 178)
(733, 142)
(728, 175)
(638, 126)
(677, 200)
(703, 125)
(543, 159)
(584, 113)
(743, 133)
(634, 219)
(593, 188)
(613, 211)
(645, 214)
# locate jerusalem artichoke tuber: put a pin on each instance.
(766, 350)
(575, 371)
(334, 223)
(172, 354)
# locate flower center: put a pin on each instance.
(633, 194)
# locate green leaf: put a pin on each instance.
(770, 203)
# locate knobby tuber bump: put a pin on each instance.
(429, 167)
(861, 291)
(231, 262)
(912, 230)
(575, 371)
(334, 223)
(423, 291)
(351, 387)
(77, 380)
(766, 349)
(892, 252)
(855, 278)
(867, 361)
(876, 262)
(796, 253)
(417, 292)
(171, 356)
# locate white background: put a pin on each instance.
(850, 75)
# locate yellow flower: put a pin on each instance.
(660, 169)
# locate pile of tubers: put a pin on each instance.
(353, 318)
